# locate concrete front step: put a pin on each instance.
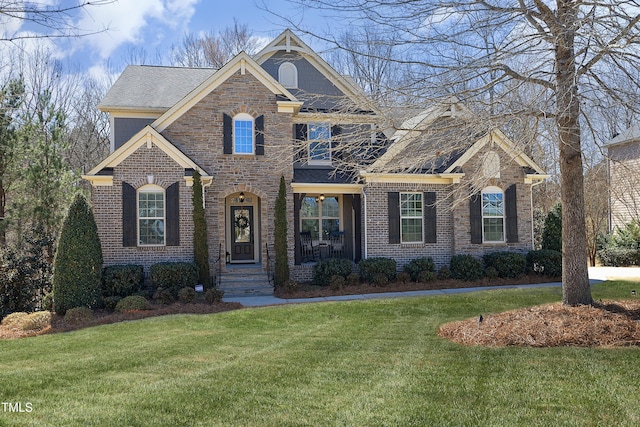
(245, 281)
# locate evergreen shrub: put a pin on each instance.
(122, 280)
(371, 267)
(323, 270)
(466, 267)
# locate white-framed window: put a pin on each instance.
(320, 216)
(243, 134)
(493, 215)
(319, 136)
(288, 75)
(151, 215)
(411, 217)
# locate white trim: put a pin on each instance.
(402, 178)
(326, 188)
(243, 117)
(151, 188)
(494, 190)
(289, 81)
(421, 217)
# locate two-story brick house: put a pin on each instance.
(286, 112)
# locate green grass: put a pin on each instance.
(340, 364)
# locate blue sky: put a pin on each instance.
(157, 24)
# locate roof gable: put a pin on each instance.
(241, 62)
(147, 136)
(287, 41)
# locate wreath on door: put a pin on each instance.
(242, 222)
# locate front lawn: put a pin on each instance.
(375, 362)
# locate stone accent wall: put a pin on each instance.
(199, 134)
(107, 202)
(377, 225)
(510, 173)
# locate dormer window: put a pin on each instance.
(288, 75)
(319, 135)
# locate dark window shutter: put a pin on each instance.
(301, 132)
(394, 217)
(129, 216)
(475, 214)
(336, 131)
(227, 133)
(260, 135)
(172, 228)
(430, 221)
(511, 211)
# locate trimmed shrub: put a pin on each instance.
(131, 303)
(444, 273)
(353, 279)
(417, 266)
(552, 233)
(14, 320)
(37, 321)
(163, 296)
(174, 276)
(77, 264)
(337, 282)
(213, 295)
(111, 302)
(507, 264)
(122, 280)
(619, 257)
(371, 267)
(426, 276)
(465, 267)
(380, 279)
(491, 272)
(403, 277)
(78, 315)
(545, 262)
(186, 295)
(323, 270)
(290, 286)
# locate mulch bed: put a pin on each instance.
(310, 291)
(604, 324)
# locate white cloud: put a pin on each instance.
(127, 21)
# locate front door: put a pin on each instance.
(242, 231)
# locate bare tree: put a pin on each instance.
(560, 53)
(47, 20)
(214, 50)
(596, 205)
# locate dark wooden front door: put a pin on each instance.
(242, 233)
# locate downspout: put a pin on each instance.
(364, 212)
(533, 239)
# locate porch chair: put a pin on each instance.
(336, 240)
(310, 253)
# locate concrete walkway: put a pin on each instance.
(596, 274)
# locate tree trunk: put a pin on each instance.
(575, 274)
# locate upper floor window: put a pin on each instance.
(288, 75)
(411, 217)
(492, 215)
(319, 136)
(151, 215)
(243, 134)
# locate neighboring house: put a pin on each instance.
(624, 177)
(286, 112)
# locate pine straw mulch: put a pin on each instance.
(603, 324)
(310, 291)
(101, 317)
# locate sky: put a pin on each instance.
(154, 25)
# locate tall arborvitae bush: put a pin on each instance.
(77, 266)
(552, 234)
(200, 245)
(280, 231)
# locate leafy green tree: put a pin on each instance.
(280, 236)
(200, 245)
(77, 267)
(552, 234)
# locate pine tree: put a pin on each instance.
(77, 266)
(552, 234)
(200, 246)
(280, 232)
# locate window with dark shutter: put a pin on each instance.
(430, 221)
(475, 214)
(227, 133)
(260, 135)
(511, 211)
(300, 134)
(394, 217)
(336, 131)
(173, 214)
(129, 216)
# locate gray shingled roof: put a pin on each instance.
(152, 87)
(321, 176)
